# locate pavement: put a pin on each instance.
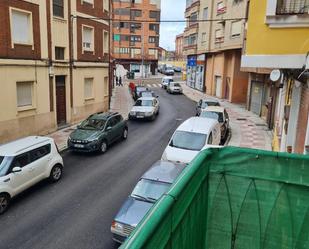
(248, 129)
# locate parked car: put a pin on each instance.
(165, 81)
(174, 87)
(177, 69)
(25, 162)
(220, 114)
(137, 92)
(98, 132)
(145, 108)
(148, 94)
(150, 187)
(192, 136)
(203, 103)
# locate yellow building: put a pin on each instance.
(276, 55)
(54, 64)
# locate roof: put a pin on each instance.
(214, 109)
(103, 115)
(164, 171)
(20, 145)
(146, 98)
(198, 125)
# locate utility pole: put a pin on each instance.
(142, 50)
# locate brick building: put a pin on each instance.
(54, 64)
(134, 42)
(179, 48)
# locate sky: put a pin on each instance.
(171, 10)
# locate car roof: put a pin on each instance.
(168, 77)
(164, 171)
(103, 115)
(198, 125)
(214, 109)
(146, 98)
(22, 145)
(210, 100)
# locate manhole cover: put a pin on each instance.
(241, 119)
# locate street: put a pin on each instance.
(77, 212)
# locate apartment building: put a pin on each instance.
(135, 43)
(213, 40)
(179, 48)
(278, 64)
(54, 64)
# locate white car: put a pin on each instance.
(25, 162)
(165, 81)
(145, 108)
(192, 136)
(174, 87)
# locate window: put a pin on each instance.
(219, 37)
(153, 39)
(153, 51)
(221, 8)
(117, 37)
(205, 13)
(116, 50)
(191, 39)
(124, 50)
(21, 27)
(136, 13)
(106, 86)
(135, 26)
(58, 9)
(124, 37)
(135, 38)
(135, 68)
(106, 5)
(154, 27)
(88, 88)
(59, 53)
(24, 93)
(88, 38)
(88, 1)
(122, 12)
(236, 29)
(135, 51)
(193, 18)
(297, 7)
(40, 152)
(155, 15)
(105, 42)
(204, 37)
(21, 160)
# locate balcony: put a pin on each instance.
(292, 7)
(219, 39)
(192, 5)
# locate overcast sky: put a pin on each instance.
(171, 10)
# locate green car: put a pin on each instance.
(97, 132)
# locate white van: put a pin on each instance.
(192, 136)
(165, 81)
(25, 162)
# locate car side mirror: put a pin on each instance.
(108, 128)
(16, 169)
(157, 96)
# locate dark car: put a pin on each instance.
(97, 132)
(203, 103)
(177, 69)
(151, 186)
(137, 91)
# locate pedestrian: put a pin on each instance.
(117, 80)
(120, 81)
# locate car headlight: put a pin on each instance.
(133, 113)
(95, 140)
(117, 226)
(164, 156)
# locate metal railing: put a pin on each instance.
(292, 7)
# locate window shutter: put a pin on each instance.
(236, 28)
(24, 94)
(21, 27)
(88, 88)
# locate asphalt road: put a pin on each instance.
(77, 211)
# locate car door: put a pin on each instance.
(40, 159)
(19, 181)
(112, 133)
(118, 126)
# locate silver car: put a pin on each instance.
(145, 108)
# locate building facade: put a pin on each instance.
(278, 64)
(135, 43)
(213, 40)
(54, 64)
(179, 48)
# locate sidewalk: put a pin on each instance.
(248, 129)
(121, 102)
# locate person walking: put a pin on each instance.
(120, 81)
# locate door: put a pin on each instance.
(112, 132)
(20, 181)
(218, 82)
(40, 160)
(256, 97)
(61, 100)
(118, 126)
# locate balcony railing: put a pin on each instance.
(292, 7)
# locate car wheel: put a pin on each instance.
(103, 147)
(55, 173)
(4, 202)
(125, 134)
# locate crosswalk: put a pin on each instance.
(153, 85)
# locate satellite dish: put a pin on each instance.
(275, 75)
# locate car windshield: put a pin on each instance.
(5, 163)
(213, 115)
(168, 80)
(143, 102)
(146, 94)
(209, 103)
(149, 190)
(188, 140)
(177, 84)
(92, 124)
(169, 68)
(141, 89)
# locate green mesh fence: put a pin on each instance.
(232, 198)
